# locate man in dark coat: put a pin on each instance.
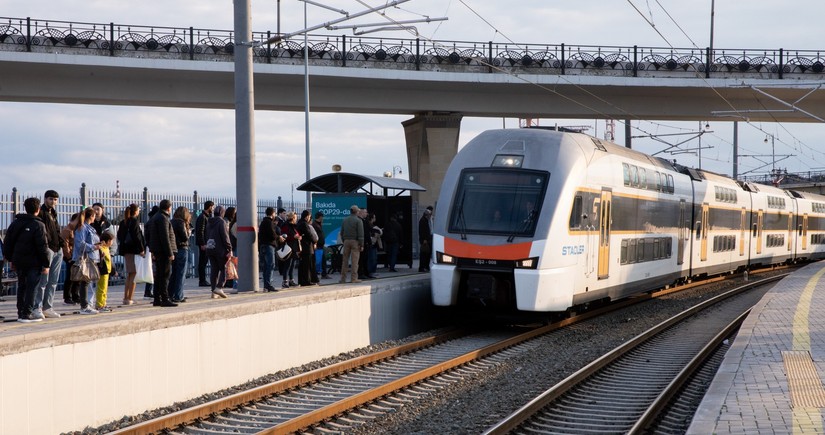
(363, 272)
(44, 294)
(269, 238)
(425, 240)
(163, 247)
(392, 241)
(320, 264)
(27, 248)
(200, 240)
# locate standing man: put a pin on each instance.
(320, 264)
(363, 270)
(28, 250)
(44, 295)
(200, 240)
(352, 234)
(392, 241)
(163, 247)
(425, 239)
(269, 238)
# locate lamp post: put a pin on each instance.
(396, 169)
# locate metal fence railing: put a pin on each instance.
(114, 203)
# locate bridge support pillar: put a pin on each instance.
(432, 142)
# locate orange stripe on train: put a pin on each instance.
(510, 251)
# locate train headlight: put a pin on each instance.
(443, 258)
(529, 263)
(507, 161)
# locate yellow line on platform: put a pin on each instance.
(807, 393)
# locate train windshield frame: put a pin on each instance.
(498, 201)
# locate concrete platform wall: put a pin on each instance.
(96, 372)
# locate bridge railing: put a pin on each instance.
(111, 39)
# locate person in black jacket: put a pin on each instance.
(425, 240)
(306, 267)
(219, 250)
(44, 294)
(269, 239)
(392, 241)
(163, 247)
(320, 264)
(182, 228)
(27, 248)
(200, 240)
(130, 242)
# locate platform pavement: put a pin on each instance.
(770, 381)
(194, 294)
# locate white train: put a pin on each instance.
(540, 220)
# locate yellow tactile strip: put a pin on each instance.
(803, 380)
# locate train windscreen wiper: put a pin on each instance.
(462, 224)
(531, 217)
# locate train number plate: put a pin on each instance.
(485, 263)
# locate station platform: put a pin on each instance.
(79, 371)
(770, 381)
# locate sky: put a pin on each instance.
(60, 146)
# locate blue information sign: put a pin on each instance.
(335, 207)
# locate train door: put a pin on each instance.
(684, 230)
(790, 231)
(703, 253)
(743, 226)
(605, 222)
(757, 232)
(803, 232)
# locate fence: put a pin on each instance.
(114, 202)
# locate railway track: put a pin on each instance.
(328, 396)
(635, 388)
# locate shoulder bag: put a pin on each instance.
(85, 270)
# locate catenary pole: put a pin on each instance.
(245, 150)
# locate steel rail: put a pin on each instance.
(661, 402)
(219, 405)
(534, 406)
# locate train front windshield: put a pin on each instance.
(502, 201)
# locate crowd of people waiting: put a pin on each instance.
(37, 247)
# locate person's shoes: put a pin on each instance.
(168, 303)
(342, 281)
(372, 277)
(214, 296)
(293, 283)
(393, 270)
(177, 301)
(269, 288)
(156, 303)
(150, 298)
(105, 309)
(285, 284)
(37, 314)
(51, 313)
(356, 281)
(203, 284)
(220, 293)
(88, 310)
(128, 302)
(29, 319)
(326, 277)
(69, 303)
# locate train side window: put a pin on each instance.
(624, 252)
(643, 178)
(669, 248)
(670, 184)
(658, 181)
(634, 176)
(626, 174)
(644, 250)
(631, 251)
(576, 213)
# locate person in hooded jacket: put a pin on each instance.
(293, 240)
(306, 267)
(26, 246)
(218, 249)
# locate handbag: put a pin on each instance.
(284, 251)
(85, 270)
(143, 267)
(231, 268)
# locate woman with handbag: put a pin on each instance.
(71, 289)
(85, 258)
(130, 243)
(219, 250)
